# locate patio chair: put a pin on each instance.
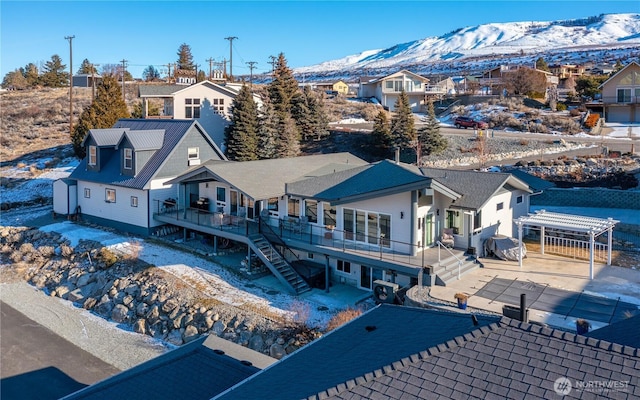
(447, 238)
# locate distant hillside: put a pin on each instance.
(471, 50)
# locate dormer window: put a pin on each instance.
(128, 158)
(93, 155)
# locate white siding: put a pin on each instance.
(121, 210)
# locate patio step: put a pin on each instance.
(447, 270)
(278, 265)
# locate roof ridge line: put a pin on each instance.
(406, 361)
(573, 337)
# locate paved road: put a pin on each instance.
(35, 363)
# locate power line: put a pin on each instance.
(124, 66)
(251, 65)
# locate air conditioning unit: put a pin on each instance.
(385, 292)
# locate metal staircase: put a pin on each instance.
(277, 264)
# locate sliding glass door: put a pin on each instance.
(367, 227)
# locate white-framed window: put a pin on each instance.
(93, 155)
(218, 106)
(134, 201)
(192, 108)
(128, 158)
(87, 193)
(110, 195)
(344, 266)
(499, 206)
(193, 153)
(624, 95)
(311, 210)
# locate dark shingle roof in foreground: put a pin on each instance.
(511, 360)
(197, 370)
(387, 335)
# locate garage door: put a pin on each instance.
(617, 114)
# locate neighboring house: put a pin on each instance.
(621, 95)
(338, 86)
(387, 89)
(494, 78)
(564, 71)
(393, 352)
(197, 371)
(388, 214)
(440, 89)
(207, 102)
(87, 80)
(126, 169)
(185, 76)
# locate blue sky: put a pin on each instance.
(307, 32)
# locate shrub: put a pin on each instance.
(343, 317)
(592, 120)
(301, 310)
(561, 107)
(107, 257)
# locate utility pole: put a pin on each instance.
(169, 73)
(251, 65)
(70, 39)
(210, 61)
(93, 80)
(124, 66)
(230, 39)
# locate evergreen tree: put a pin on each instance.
(185, 58)
(150, 74)
(54, 75)
(403, 130)
(267, 131)
(241, 136)
(107, 108)
(381, 134)
(15, 80)
(301, 112)
(201, 76)
(541, 64)
(287, 137)
(430, 140)
(87, 68)
(284, 87)
(31, 74)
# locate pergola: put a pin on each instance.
(594, 227)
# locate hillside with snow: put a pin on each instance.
(603, 38)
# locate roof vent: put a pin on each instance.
(245, 362)
(218, 351)
(370, 328)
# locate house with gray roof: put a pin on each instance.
(358, 223)
(387, 89)
(206, 102)
(197, 370)
(124, 174)
(404, 353)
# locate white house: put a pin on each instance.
(207, 102)
(361, 222)
(387, 89)
(125, 172)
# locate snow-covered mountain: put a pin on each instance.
(603, 38)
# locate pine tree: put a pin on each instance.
(87, 68)
(381, 134)
(185, 58)
(241, 136)
(429, 139)
(287, 137)
(267, 131)
(284, 87)
(150, 74)
(107, 108)
(403, 130)
(301, 112)
(541, 64)
(54, 75)
(15, 80)
(31, 74)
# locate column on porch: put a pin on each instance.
(414, 220)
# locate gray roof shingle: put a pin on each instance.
(174, 130)
(385, 339)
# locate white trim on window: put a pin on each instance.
(87, 193)
(92, 155)
(128, 158)
(134, 201)
(109, 195)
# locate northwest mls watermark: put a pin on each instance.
(563, 386)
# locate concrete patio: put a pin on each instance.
(557, 272)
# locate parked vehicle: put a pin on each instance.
(468, 122)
